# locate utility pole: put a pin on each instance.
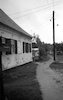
(53, 36)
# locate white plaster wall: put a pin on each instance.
(12, 60)
(15, 60)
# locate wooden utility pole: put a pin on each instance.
(53, 36)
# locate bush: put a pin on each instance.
(42, 52)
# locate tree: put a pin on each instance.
(42, 47)
(59, 47)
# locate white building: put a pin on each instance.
(35, 49)
(17, 42)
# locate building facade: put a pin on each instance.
(16, 43)
(35, 49)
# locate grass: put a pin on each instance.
(56, 65)
(59, 57)
(20, 83)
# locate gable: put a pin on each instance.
(5, 19)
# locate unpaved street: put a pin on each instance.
(51, 83)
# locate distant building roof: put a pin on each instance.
(5, 19)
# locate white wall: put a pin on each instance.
(12, 60)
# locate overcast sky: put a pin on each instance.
(34, 17)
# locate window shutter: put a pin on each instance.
(15, 46)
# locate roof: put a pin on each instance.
(5, 19)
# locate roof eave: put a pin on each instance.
(17, 30)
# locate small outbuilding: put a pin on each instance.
(15, 43)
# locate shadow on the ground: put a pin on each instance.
(20, 83)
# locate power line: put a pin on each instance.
(32, 9)
(36, 9)
(28, 13)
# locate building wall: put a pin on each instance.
(12, 60)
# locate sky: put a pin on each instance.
(35, 16)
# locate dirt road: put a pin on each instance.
(51, 83)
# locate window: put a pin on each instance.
(30, 47)
(23, 47)
(26, 47)
(0, 44)
(8, 43)
(15, 46)
(12, 44)
(3, 41)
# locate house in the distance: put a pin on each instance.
(35, 49)
(15, 43)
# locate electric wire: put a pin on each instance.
(36, 9)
